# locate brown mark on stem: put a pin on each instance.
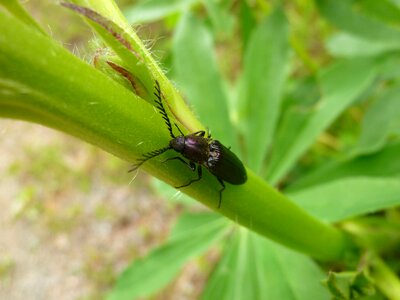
(125, 73)
(116, 31)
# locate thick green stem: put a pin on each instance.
(42, 82)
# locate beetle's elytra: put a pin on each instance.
(199, 150)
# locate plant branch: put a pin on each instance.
(42, 82)
(109, 10)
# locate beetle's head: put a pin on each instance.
(177, 143)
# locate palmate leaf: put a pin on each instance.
(261, 86)
(247, 23)
(342, 83)
(222, 20)
(387, 11)
(384, 163)
(196, 71)
(192, 236)
(384, 115)
(347, 45)
(344, 15)
(171, 194)
(388, 66)
(252, 267)
(370, 27)
(346, 198)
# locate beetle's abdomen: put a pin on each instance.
(224, 164)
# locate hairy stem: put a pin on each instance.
(44, 83)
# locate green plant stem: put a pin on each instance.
(387, 282)
(44, 83)
(176, 104)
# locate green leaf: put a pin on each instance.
(303, 92)
(261, 85)
(350, 197)
(247, 23)
(171, 194)
(255, 268)
(341, 14)
(342, 84)
(346, 45)
(381, 121)
(144, 277)
(294, 118)
(151, 10)
(187, 222)
(387, 68)
(349, 285)
(384, 10)
(380, 164)
(221, 18)
(196, 71)
(395, 2)
(296, 110)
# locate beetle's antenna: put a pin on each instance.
(147, 156)
(161, 108)
(176, 125)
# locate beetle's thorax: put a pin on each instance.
(195, 148)
(178, 143)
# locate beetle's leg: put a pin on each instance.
(190, 165)
(199, 173)
(220, 191)
(199, 133)
(193, 166)
(176, 125)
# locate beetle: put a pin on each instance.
(200, 150)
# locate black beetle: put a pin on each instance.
(200, 150)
